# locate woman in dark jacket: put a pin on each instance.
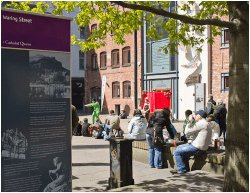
(158, 120)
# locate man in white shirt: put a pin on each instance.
(202, 134)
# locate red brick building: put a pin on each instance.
(119, 64)
(220, 66)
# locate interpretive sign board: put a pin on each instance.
(35, 102)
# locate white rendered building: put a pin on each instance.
(194, 77)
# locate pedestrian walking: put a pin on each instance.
(146, 108)
(220, 114)
(211, 105)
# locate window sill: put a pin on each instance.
(223, 47)
(103, 68)
(115, 67)
(116, 97)
(126, 97)
(126, 65)
(225, 91)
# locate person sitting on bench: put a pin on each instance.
(202, 134)
(112, 124)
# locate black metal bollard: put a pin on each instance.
(120, 163)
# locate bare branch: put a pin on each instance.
(182, 18)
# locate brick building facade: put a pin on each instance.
(117, 63)
(220, 66)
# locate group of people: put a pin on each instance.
(110, 128)
(218, 113)
(200, 127)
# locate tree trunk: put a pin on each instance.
(237, 136)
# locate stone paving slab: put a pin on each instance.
(91, 171)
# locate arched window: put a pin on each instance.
(94, 61)
(116, 90)
(115, 58)
(103, 60)
(127, 89)
(93, 28)
(126, 56)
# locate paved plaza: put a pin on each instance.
(91, 170)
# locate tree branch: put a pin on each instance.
(182, 18)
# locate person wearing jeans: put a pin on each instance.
(158, 121)
(202, 134)
(155, 153)
(182, 153)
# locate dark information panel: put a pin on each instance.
(36, 119)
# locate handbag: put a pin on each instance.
(157, 140)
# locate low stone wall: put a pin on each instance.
(212, 162)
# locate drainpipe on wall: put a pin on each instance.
(177, 87)
(209, 75)
(142, 61)
(135, 67)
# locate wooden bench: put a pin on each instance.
(213, 161)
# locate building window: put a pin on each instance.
(126, 56)
(94, 62)
(103, 60)
(225, 37)
(115, 58)
(93, 28)
(82, 33)
(4, 3)
(81, 60)
(159, 62)
(224, 82)
(127, 89)
(116, 90)
(172, 63)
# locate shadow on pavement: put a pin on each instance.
(91, 189)
(74, 177)
(90, 164)
(196, 182)
(89, 146)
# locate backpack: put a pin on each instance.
(212, 109)
(157, 140)
(99, 135)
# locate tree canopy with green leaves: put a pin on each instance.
(123, 17)
(112, 16)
